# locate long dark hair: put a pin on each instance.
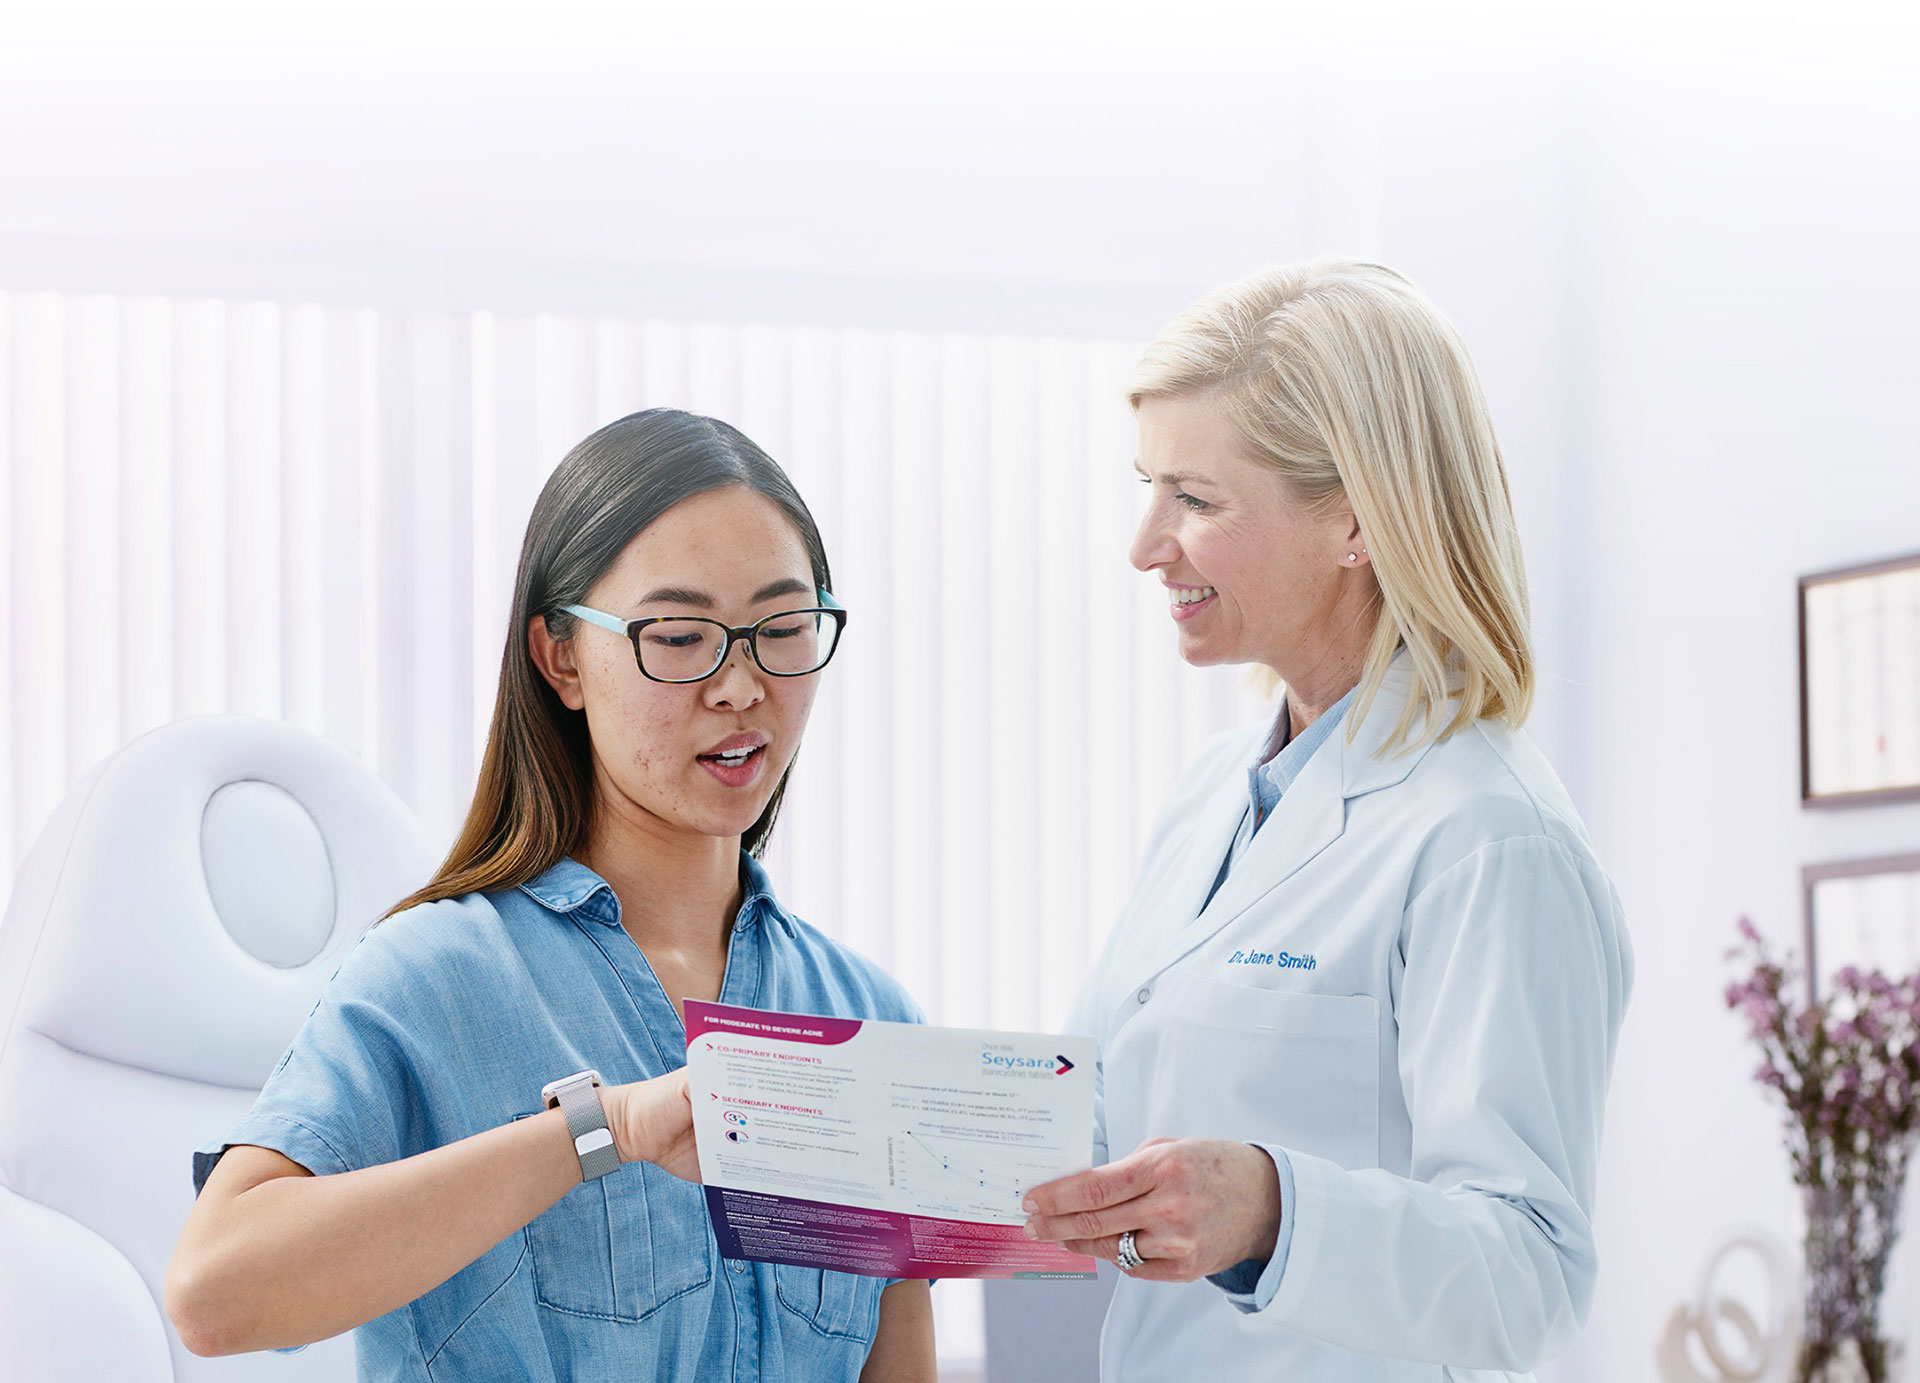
(533, 803)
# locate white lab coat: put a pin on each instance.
(1412, 983)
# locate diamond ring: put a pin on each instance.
(1128, 1257)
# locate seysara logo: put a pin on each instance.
(1006, 1059)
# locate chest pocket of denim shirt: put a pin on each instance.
(621, 1246)
(841, 1305)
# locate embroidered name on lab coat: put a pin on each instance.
(1279, 959)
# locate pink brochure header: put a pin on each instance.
(703, 1018)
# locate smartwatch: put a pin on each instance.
(578, 1097)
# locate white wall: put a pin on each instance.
(1753, 372)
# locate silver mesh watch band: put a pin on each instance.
(578, 1096)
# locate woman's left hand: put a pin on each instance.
(1196, 1206)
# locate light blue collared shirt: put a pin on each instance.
(1251, 1284)
(446, 1020)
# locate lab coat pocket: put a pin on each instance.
(1272, 1066)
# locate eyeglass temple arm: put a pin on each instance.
(599, 617)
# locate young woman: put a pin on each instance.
(411, 1168)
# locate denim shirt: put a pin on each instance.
(445, 1021)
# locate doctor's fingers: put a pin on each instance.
(1114, 1184)
(1162, 1263)
(1213, 1203)
(1108, 1222)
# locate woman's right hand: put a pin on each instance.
(652, 1121)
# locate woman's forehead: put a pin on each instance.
(731, 546)
(1188, 436)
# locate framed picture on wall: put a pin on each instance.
(1863, 913)
(1860, 684)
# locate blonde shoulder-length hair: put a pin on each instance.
(1345, 379)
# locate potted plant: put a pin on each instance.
(1847, 1066)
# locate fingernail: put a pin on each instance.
(1030, 1230)
(1028, 1205)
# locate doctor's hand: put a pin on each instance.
(1196, 1206)
(652, 1121)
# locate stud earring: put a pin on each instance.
(1353, 557)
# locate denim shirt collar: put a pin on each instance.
(570, 886)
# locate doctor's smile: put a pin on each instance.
(1189, 601)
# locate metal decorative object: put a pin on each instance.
(1719, 1338)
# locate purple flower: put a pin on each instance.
(1847, 1070)
(1762, 1012)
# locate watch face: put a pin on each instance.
(550, 1092)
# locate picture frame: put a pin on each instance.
(1864, 913)
(1860, 684)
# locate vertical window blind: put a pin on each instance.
(313, 514)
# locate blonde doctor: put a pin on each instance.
(1357, 1021)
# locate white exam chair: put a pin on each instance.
(168, 934)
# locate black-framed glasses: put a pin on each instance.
(686, 648)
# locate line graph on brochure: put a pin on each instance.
(967, 1178)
